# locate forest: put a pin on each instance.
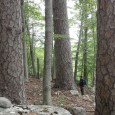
(58, 53)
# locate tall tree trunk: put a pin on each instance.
(38, 69)
(11, 60)
(53, 63)
(31, 47)
(105, 70)
(85, 54)
(32, 52)
(64, 71)
(53, 68)
(25, 58)
(94, 60)
(24, 42)
(82, 48)
(48, 53)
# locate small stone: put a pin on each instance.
(74, 92)
(77, 111)
(5, 103)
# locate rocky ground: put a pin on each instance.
(60, 97)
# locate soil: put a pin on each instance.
(59, 97)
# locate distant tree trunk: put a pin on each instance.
(24, 42)
(38, 68)
(94, 70)
(82, 46)
(31, 47)
(85, 54)
(105, 70)
(77, 54)
(32, 52)
(25, 58)
(48, 53)
(82, 67)
(64, 71)
(53, 67)
(11, 60)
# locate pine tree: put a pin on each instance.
(11, 51)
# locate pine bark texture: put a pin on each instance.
(48, 53)
(11, 60)
(105, 70)
(64, 72)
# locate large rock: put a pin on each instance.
(6, 108)
(8, 113)
(34, 110)
(77, 111)
(5, 103)
(49, 110)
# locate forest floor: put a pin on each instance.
(59, 97)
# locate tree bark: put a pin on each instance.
(53, 67)
(64, 71)
(38, 69)
(32, 52)
(94, 60)
(105, 70)
(11, 60)
(25, 58)
(48, 53)
(85, 54)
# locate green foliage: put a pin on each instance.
(39, 53)
(87, 14)
(84, 10)
(33, 17)
(60, 36)
(33, 11)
